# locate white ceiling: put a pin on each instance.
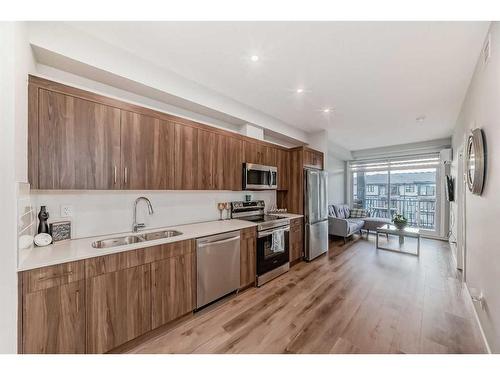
(377, 76)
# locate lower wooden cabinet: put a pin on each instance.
(118, 307)
(98, 304)
(53, 309)
(296, 239)
(248, 256)
(54, 320)
(173, 289)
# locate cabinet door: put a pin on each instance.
(254, 152)
(54, 319)
(147, 152)
(186, 158)
(118, 307)
(206, 160)
(233, 164)
(270, 156)
(173, 288)
(248, 259)
(296, 239)
(78, 143)
(283, 162)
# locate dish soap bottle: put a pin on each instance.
(43, 216)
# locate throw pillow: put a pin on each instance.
(358, 213)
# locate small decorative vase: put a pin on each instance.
(43, 216)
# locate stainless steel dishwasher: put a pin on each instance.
(217, 266)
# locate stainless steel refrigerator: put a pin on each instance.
(315, 213)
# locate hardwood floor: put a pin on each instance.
(353, 300)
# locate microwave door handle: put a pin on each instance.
(270, 178)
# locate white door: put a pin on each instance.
(460, 199)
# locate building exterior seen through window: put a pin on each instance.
(412, 193)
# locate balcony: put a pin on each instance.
(420, 211)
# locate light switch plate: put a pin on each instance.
(66, 210)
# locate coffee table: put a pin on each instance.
(402, 233)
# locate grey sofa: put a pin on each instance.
(341, 224)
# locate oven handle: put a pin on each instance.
(271, 231)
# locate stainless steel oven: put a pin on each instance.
(259, 177)
(273, 239)
(272, 261)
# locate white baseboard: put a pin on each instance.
(485, 340)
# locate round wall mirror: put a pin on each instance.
(475, 162)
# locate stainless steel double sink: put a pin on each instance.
(136, 238)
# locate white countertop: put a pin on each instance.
(79, 249)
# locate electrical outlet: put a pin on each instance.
(66, 211)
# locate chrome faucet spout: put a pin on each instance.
(136, 226)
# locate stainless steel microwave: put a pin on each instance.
(259, 177)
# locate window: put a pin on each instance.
(400, 185)
(409, 188)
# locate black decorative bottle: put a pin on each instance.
(43, 216)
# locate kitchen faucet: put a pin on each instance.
(136, 226)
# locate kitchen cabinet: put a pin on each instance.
(173, 283)
(118, 300)
(313, 158)
(248, 256)
(255, 153)
(96, 305)
(283, 163)
(78, 143)
(198, 159)
(81, 140)
(270, 156)
(147, 152)
(233, 163)
(53, 309)
(296, 239)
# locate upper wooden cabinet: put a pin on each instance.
(313, 158)
(147, 152)
(283, 163)
(78, 143)
(81, 140)
(195, 158)
(232, 163)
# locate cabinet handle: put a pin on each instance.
(114, 174)
(125, 175)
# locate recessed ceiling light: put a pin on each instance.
(326, 110)
(300, 91)
(254, 58)
(420, 118)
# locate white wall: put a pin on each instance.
(15, 63)
(481, 109)
(336, 180)
(104, 212)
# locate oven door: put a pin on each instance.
(267, 257)
(259, 177)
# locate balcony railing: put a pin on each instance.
(420, 212)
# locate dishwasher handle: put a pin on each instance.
(204, 244)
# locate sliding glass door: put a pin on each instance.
(407, 186)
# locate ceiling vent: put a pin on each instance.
(486, 52)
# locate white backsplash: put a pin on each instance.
(26, 217)
(101, 212)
